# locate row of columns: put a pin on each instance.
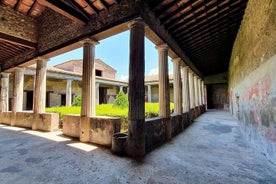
(188, 92)
(39, 89)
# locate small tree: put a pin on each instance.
(77, 101)
(121, 101)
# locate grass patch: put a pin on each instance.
(151, 110)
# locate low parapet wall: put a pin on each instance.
(48, 122)
(101, 128)
(155, 127)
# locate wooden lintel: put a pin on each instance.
(62, 12)
(17, 41)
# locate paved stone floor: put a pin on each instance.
(212, 150)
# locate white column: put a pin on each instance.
(192, 90)
(88, 89)
(121, 88)
(98, 93)
(199, 91)
(68, 92)
(164, 87)
(18, 85)
(88, 79)
(177, 89)
(4, 103)
(196, 90)
(185, 89)
(149, 93)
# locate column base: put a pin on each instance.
(135, 146)
(84, 129)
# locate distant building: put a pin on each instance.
(67, 76)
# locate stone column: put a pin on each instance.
(39, 90)
(164, 88)
(18, 85)
(121, 88)
(149, 93)
(40, 86)
(202, 92)
(136, 92)
(199, 91)
(177, 89)
(192, 89)
(196, 90)
(4, 103)
(185, 89)
(88, 89)
(68, 92)
(98, 93)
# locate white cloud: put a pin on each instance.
(153, 71)
(124, 77)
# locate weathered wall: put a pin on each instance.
(16, 24)
(217, 87)
(252, 77)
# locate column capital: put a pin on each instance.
(90, 41)
(137, 21)
(176, 60)
(18, 68)
(5, 75)
(162, 47)
(42, 58)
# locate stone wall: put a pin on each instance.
(252, 77)
(101, 128)
(48, 122)
(16, 24)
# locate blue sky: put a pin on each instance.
(115, 52)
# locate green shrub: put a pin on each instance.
(77, 101)
(121, 101)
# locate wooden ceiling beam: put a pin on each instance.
(205, 25)
(32, 8)
(166, 7)
(211, 29)
(79, 9)
(17, 41)
(177, 20)
(181, 8)
(187, 28)
(64, 9)
(104, 4)
(92, 6)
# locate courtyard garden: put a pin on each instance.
(118, 109)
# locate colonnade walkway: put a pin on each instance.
(211, 150)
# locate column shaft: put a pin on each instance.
(18, 85)
(68, 92)
(185, 89)
(199, 91)
(192, 90)
(177, 89)
(164, 88)
(97, 93)
(88, 104)
(88, 79)
(196, 90)
(4, 103)
(136, 91)
(40, 86)
(149, 93)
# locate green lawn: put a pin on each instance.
(151, 110)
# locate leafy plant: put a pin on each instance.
(121, 101)
(77, 101)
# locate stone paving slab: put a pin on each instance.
(212, 150)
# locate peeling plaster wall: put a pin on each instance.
(252, 76)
